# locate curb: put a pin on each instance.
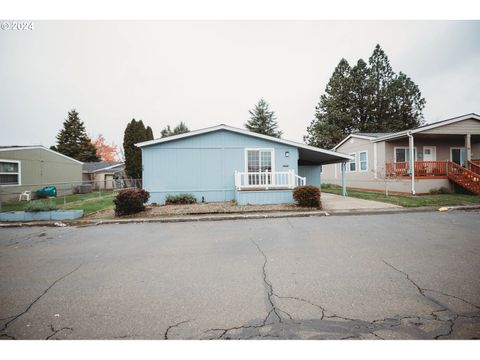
(280, 215)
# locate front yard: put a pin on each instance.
(408, 200)
(89, 203)
(228, 207)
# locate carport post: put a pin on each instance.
(344, 183)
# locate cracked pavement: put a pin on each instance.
(397, 276)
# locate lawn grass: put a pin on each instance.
(90, 202)
(408, 200)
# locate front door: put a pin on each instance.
(457, 155)
(428, 153)
(259, 166)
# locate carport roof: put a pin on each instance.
(308, 155)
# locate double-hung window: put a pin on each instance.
(363, 160)
(9, 172)
(352, 167)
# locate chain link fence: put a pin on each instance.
(13, 194)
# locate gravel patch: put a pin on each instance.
(153, 211)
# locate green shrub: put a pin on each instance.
(182, 199)
(307, 196)
(440, 190)
(40, 205)
(130, 201)
(328, 186)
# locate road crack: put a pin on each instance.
(15, 317)
(165, 336)
(55, 332)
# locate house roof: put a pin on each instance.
(100, 166)
(376, 137)
(307, 153)
(365, 136)
(373, 135)
(33, 147)
(426, 127)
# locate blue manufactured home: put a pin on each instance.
(224, 163)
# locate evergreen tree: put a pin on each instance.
(135, 132)
(365, 98)
(177, 130)
(333, 113)
(149, 133)
(73, 141)
(262, 120)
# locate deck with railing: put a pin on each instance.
(268, 180)
(422, 168)
(426, 168)
(468, 176)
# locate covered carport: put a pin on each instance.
(310, 160)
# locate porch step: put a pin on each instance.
(464, 177)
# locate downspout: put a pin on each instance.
(412, 160)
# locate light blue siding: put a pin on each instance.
(204, 165)
(264, 197)
(311, 172)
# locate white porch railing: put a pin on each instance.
(268, 180)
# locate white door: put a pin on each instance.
(428, 153)
(259, 165)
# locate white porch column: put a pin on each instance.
(411, 163)
(344, 180)
(468, 149)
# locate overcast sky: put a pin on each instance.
(207, 73)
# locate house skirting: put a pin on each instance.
(262, 197)
(216, 195)
(422, 186)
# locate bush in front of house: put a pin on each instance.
(307, 196)
(181, 199)
(130, 201)
(40, 205)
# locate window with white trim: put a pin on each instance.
(363, 160)
(9, 172)
(352, 167)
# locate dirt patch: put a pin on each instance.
(153, 211)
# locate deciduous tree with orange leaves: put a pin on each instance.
(105, 152)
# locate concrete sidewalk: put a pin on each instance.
(331, 202)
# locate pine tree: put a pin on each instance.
(135, 132)
(333, 113)
(262, 120)
(149, 133)
(73, 141)
(177, 130)
(367, 98)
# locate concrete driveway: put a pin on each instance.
(336, 202)
(398, 276)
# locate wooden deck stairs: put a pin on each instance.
(467, 179)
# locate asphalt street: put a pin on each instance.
(396, 276)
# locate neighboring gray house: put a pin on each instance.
(224, 163)
(29, 168)
(446, 153)
(103, 175)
